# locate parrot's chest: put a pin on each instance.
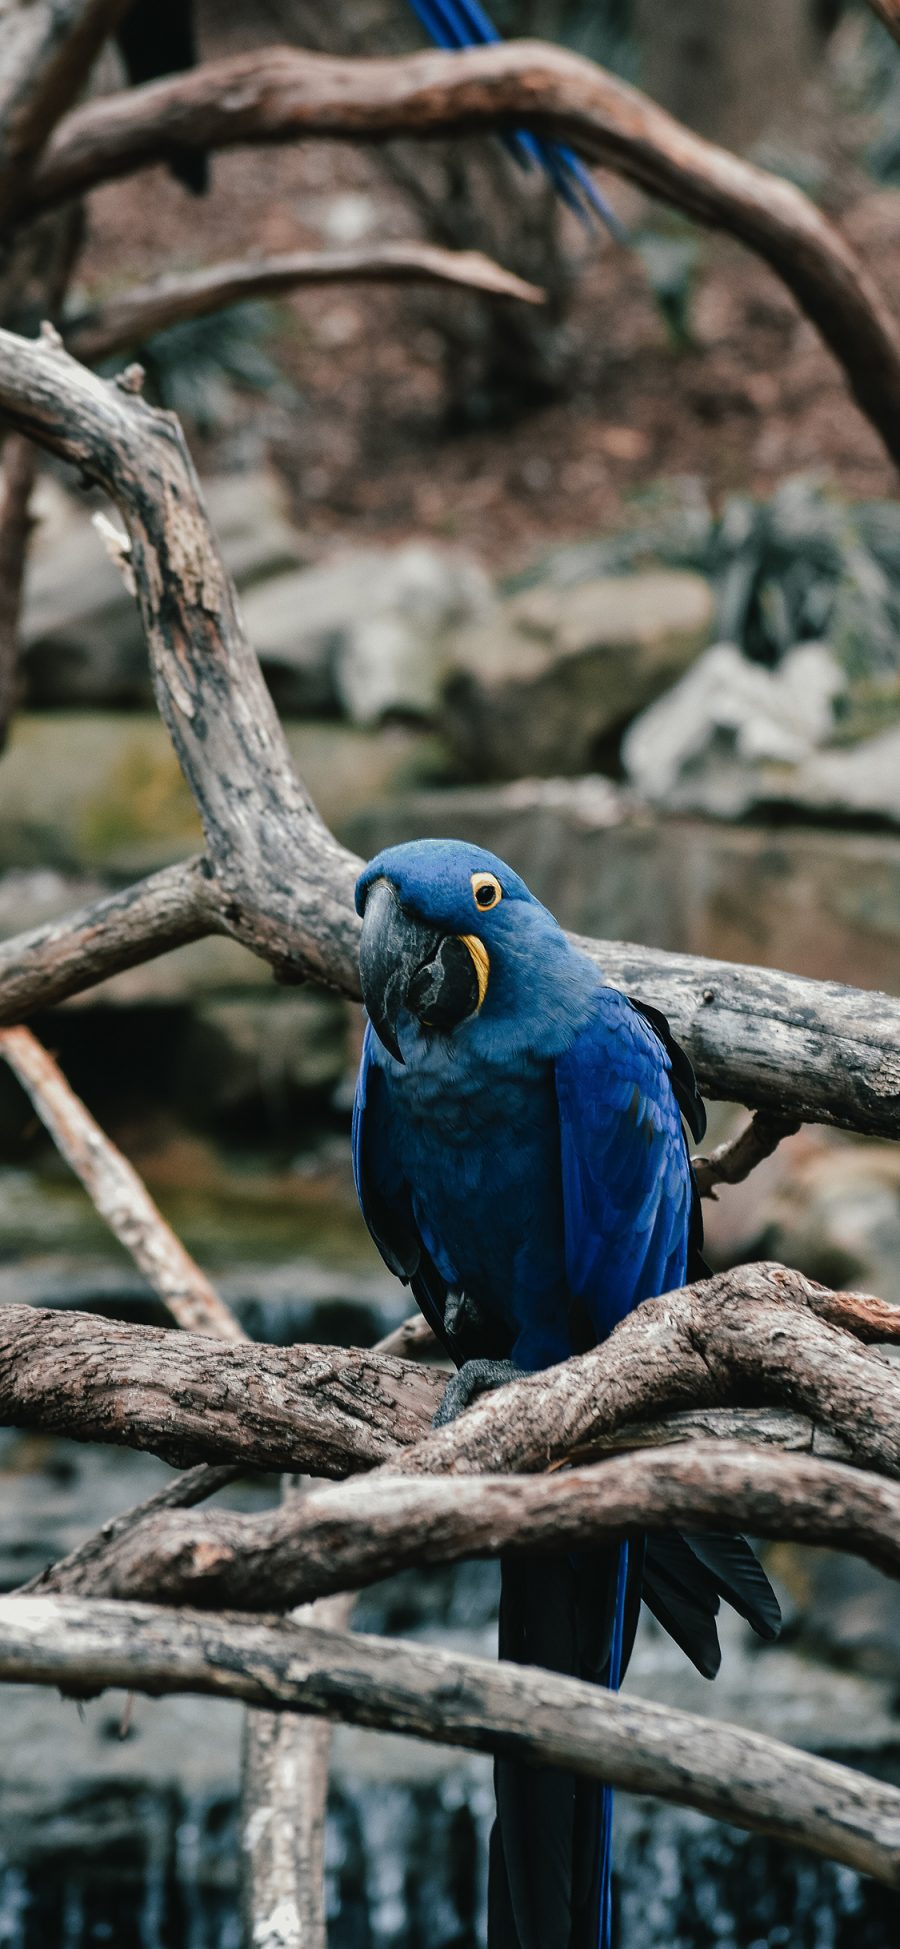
(481, 1158)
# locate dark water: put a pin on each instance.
(405, 1870)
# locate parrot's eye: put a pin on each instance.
(487, 890)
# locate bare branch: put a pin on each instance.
(341, 1538)
(126, 321)
(284, 1798)
(320, 1409)
(760, 1335)
(733, 1161)
(532, 1715)
(46, 49)
(278, 881)
(116, 1191)
(278, 95)
(66, 956)
(281, 880)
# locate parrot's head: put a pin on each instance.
(450, 934)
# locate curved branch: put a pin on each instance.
(734, 1161)
(126, 321)
(46, 49)
(342, 1538)
(532, 1715)
(278, 95)
(63, 957)
(759, 1335)
(275, 877)
(279, 880)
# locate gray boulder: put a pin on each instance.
(366, 632)
(733, 736)
(546, 686)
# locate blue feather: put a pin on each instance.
(532, 1161)
(463, 23)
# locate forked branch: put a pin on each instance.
(276, 879)
(279, 94)
(759, 1335)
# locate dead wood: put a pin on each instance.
(532, 1715)
(123, 322)
(760, 1335)
(344, 1537)
(279, 94)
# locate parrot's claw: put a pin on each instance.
(475, 1377)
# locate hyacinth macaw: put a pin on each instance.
(520, 1161)
(464, 23)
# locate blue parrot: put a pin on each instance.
(521, 1163)
(464, 23)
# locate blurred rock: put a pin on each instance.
(710, 743)
(244, 1057)
(544, 687)
(82, 637)
(863, 780)
(366, 631)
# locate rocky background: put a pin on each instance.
(638, 632)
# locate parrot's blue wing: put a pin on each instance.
(627, 1189)
(464, 23)
(628, 1199)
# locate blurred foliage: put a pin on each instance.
(670, 258)
(867, 61)
(804, 566)
(196, 368)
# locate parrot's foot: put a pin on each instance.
(475, 1377)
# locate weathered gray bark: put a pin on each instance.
(530, 1714)
(342, 1538)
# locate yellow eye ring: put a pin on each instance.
(487, 891)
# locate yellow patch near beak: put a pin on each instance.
(481, 962)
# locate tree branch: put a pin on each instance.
(126, 321)
(278, 95)
(117, 1192)
(123, 929)
(46, 49)
(760, 1335)
(342, 1538)
(733, 1161)
(275, 877)
(320, 1409)
(532, 1715)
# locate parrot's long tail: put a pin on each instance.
(550, 1882)
(551, 1847)
(614, 1680)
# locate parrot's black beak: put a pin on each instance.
(406, 965)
